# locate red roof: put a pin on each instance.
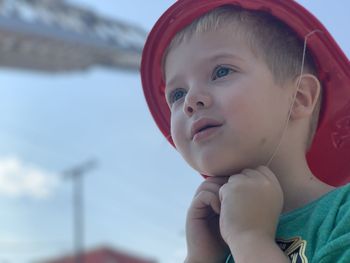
(103, 255)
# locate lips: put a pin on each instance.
(203, 125)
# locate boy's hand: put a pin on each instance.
(251, 203)
(204, 242)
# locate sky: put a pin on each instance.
(137, 196)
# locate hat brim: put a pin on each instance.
(329, 154)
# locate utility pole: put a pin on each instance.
(77, 175)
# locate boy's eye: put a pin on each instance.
(176, 95)
(221, 71)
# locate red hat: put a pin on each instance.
(329, 155)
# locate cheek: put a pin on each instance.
(177, 129)
(236, 109)
(245, 114)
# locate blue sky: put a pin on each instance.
(137, 197)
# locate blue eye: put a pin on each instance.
(176, 95)
(220, 72)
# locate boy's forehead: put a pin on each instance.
(207, 47)
(212, 44)
(224, 39)
(224, 28)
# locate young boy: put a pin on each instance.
(240, 84)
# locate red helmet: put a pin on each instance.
(329, 155)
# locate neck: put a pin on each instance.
(299, 185)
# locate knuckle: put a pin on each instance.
(245, 172)
(222, 189)
(236, 178)
(201, 194)
(264, 170)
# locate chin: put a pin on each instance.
(225, 167)
(220, 171)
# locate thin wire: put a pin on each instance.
(294, 98)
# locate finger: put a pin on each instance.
(205, 199)
(268, 173)
(251, 172)
(220, 180)
(222, 192)
(236, 177)
(248, 173)
(208, 186)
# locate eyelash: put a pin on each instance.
(172, 97)
(217, 70)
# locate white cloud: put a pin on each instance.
(18, 179)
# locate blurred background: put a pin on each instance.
(83, 166)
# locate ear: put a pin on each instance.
(306, 96)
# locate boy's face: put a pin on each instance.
(227, 112)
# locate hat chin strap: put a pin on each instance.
(268, 163)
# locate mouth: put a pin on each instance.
(203, 128)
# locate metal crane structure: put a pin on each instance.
(57, 36)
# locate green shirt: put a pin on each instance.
(318, 232)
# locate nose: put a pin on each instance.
(195, 100)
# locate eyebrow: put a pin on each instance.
(218, 56)
(222, 55)
(169, 83)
